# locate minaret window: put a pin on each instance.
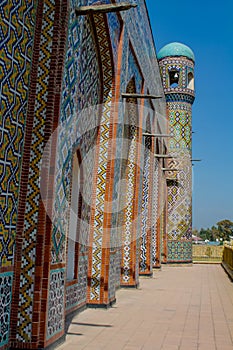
(190, 81)
(174, 76)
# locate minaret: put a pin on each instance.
(176, 62)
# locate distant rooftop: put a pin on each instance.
(175, 49)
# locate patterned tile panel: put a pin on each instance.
(124, 69)
(179, 251)
(112, 276)
(16, 41)
(130, 224)
(76, 294)
(129, 171)
(115, 28)
(102, 157)
(6, 280)
(145, 206)
(81, 90)
(118, 198)
(155, 210)
(33, 192)
(118, 267)
(180, 193)
(180, 126)
(183, 67)
(134, 71)
(138, 28)
(129, 207)
(82, 276)
(163, 228)
(56, 302)
(72, 296)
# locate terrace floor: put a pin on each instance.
(183, 308)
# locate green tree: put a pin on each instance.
(215, 233)
(195, 232)
(225, 229)
(206, 234)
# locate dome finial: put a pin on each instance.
(175, 49)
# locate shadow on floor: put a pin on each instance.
(92, 324)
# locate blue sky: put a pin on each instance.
(206, 26)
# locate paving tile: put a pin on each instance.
(170, 347)
(188, 308)
(206, 346)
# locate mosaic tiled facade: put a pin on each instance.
(81, 202)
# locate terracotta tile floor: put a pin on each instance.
(183, 308)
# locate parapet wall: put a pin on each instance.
(227, 262)
(206, 253)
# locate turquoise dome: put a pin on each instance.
(175, 49)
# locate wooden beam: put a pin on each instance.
(170, 169)
(126, 95)
(196, 160)
(164, 156)
(103, 8)
(156, 135)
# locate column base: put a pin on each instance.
(146, 274)
(101, 306)
(179, 263)
(130, 286)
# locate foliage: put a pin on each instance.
(222, 231)
(225, 229)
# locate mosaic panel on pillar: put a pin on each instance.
(112, 276)
(16, 32)
(6, 280)
(56, 302)
(114, 29)
(132, 126)
(81, 86)
(102, 157)
(145, 204)
(17, 27)
(155, 210)
(24, 325)
(72, 296)
(179, 193)
(179, 251)
(80, 93)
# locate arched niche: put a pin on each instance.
(190, 81)
(174, 77)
